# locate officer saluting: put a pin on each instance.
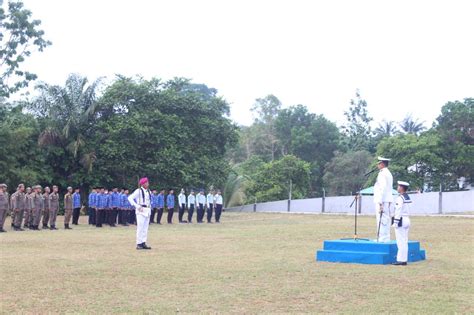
(401, 223)
(383, 200)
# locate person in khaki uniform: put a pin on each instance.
(38, 205)
(28, 208)
(46, 207)
(53, 208)
(68, 208)
(4, 205)
(19, 206)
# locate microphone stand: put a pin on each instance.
(356, 202)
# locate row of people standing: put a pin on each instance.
(113, 208)
(29, 207)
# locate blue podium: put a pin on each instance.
(363, 251)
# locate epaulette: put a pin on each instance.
(406, 198)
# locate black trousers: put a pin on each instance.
(200, 213)
(190, 213)
(122, 217)
(218, 212)
(92, 215)
(99, 217)
(132, 219)
(182, 207)
(114, 215)
(152, 215)
(75, 215)
(160, 214)
(209, 212)
(170, 215)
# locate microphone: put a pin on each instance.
(367, 174)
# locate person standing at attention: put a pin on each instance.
(141, 200)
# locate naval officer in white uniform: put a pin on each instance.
(141, 200)
(401, 223)
(383, 200)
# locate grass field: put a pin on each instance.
(251, 263)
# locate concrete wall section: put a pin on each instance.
(458, 201)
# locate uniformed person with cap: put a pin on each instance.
(101, 204)
(68, 208)
(210, 205)
(29, 208)
(19, 206)
(92, 205)
(170, 205)
(383, 200)
(191, 206)
(182, 206)
(219, 205)
(401, 223)
(46, 208)
(4, 205)
(38, 204)
(201, 202)
(76, 206)
(53, 207)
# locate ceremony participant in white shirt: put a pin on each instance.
(401, 223)
(219, 203)
(201, 202)
(141, 200)
(383, 200)
(191, 206)
(210, 205)
(182, 206)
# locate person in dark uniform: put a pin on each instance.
(92, 206)
(161, 205)
(154, 205)
(76, 205)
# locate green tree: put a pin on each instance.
(19, 37)
(66, 115)
(386, 129)
(272, 180)
(357, 129)
(344, 174)
(455, 127)
(412, 125)
(267, 109)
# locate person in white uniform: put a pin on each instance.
(182, 206)
(401, 223)
(140, 199)
(383, 200)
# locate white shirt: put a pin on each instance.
(218, 199)
(210, 199)
(136, 199)
(191, 200)
(181, 199)
(383, 187)
(402, 206)
(201, 199)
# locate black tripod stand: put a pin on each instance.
(356, 201)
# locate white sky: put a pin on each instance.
(404, 56)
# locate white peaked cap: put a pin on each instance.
(403, 183)
(383, 159)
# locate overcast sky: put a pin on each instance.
(404, 56)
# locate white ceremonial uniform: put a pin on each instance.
(141, 200)
(181, 199)
(383, 196)
(402, 210)
(191, 200)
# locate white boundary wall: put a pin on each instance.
(426, 203)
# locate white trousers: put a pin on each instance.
(142, 228)
(401, 233)
(384, 235)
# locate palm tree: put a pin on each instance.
(67, 112)
(234, 189)
(386, 129)
(412, 126)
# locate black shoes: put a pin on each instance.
(143, 246)
(66, 227)
(17, 228)
(399, 263)
(2, 231)
(53, 227)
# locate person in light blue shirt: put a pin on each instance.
(160, 204)
(76, 206)
(92, 205)
(170, 205)
(114, 206)
(154, 205)
(101, 202)
(123, 210)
